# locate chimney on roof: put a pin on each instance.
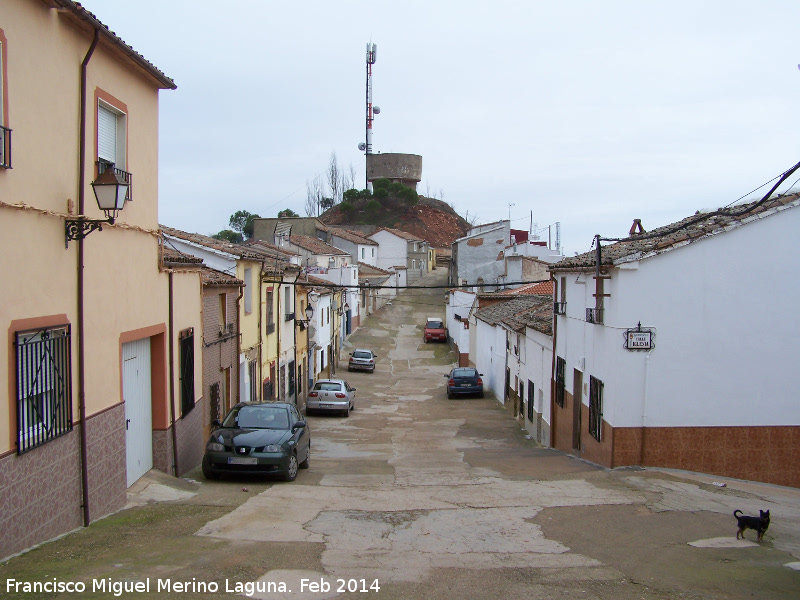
(636, 228)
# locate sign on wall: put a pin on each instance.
(640, 338)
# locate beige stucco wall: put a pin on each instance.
(123, 289)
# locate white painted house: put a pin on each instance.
(360, 248)
(458, 309)
(681, 350)
(401, 249)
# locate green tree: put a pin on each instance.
(229, 235)
(287, 212)
(242, 221)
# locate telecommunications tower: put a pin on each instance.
(366, 146)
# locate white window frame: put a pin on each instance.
(248, 291)
(119, 157)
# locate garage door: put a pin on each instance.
(136, 394)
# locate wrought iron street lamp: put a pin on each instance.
(110, 190)
(309, 314)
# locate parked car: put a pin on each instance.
(463, 381)
(261, 438)
(434, 330)
(331, 395)
(363, 360)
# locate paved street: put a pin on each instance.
(433, 498)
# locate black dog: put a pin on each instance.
(759, 524)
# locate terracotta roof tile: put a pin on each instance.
(687, 230)
(316, 245)
(353, 237)
(401, 234)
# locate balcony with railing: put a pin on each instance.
(5, 147)
(103, 166)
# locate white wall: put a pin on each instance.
(725, 313)
(392, 250)
(490, 357)
(460, 304)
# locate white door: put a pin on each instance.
(138, 408)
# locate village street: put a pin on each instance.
(425, 497)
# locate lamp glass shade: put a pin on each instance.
(346, 307)
(110, 191)
(309, 312)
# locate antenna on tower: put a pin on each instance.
(366, 146)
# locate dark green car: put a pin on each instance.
(259, 438)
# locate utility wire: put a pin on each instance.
(704, 216)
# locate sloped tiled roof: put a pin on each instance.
(316, 246)
(89, 20)
(214, 277)
(531, 311)
(542, 287)
(401, 234)
(365, 268)
(265, 255)
(683, 232)
(351, 236)
(170, 256)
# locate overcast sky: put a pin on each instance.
(590, 113)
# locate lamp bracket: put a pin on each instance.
(78, 229)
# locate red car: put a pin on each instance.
(434, 330)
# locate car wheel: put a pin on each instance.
(208, 472)
(480, 395)
(307, 462)
(449, 396)
(291, 471)
(347, 412)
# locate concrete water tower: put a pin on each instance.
(403, 168)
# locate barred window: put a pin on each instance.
(595, 408)
(561, 367)
(530, 400)
(187, 370)
(44, 386)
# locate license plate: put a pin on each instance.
(464, 385)
(238, 460)
(326, 405)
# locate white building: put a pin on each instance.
(458, 309)
(401, 249)
(681, 350)
(360, 248)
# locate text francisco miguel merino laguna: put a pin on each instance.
(248, 588)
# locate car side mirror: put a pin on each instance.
(299, 425)
(480, 374)
(216, 423)
(446, 376)
(352, 389)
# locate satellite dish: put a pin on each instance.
(362, 146)
(377, 109)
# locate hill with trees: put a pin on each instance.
(394, 205)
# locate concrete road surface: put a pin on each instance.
(418, 496)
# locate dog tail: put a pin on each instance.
(736, 511)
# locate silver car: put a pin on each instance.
(331, 395)
(362, 360)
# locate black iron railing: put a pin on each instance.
(44, 387)
(5, 147)
(103, 166)
(594, 315)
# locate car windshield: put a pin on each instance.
(362, 354)
(327, 386)
(435, 325)
(258, 417)
(464, 373)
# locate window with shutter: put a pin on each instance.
(106, 135)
